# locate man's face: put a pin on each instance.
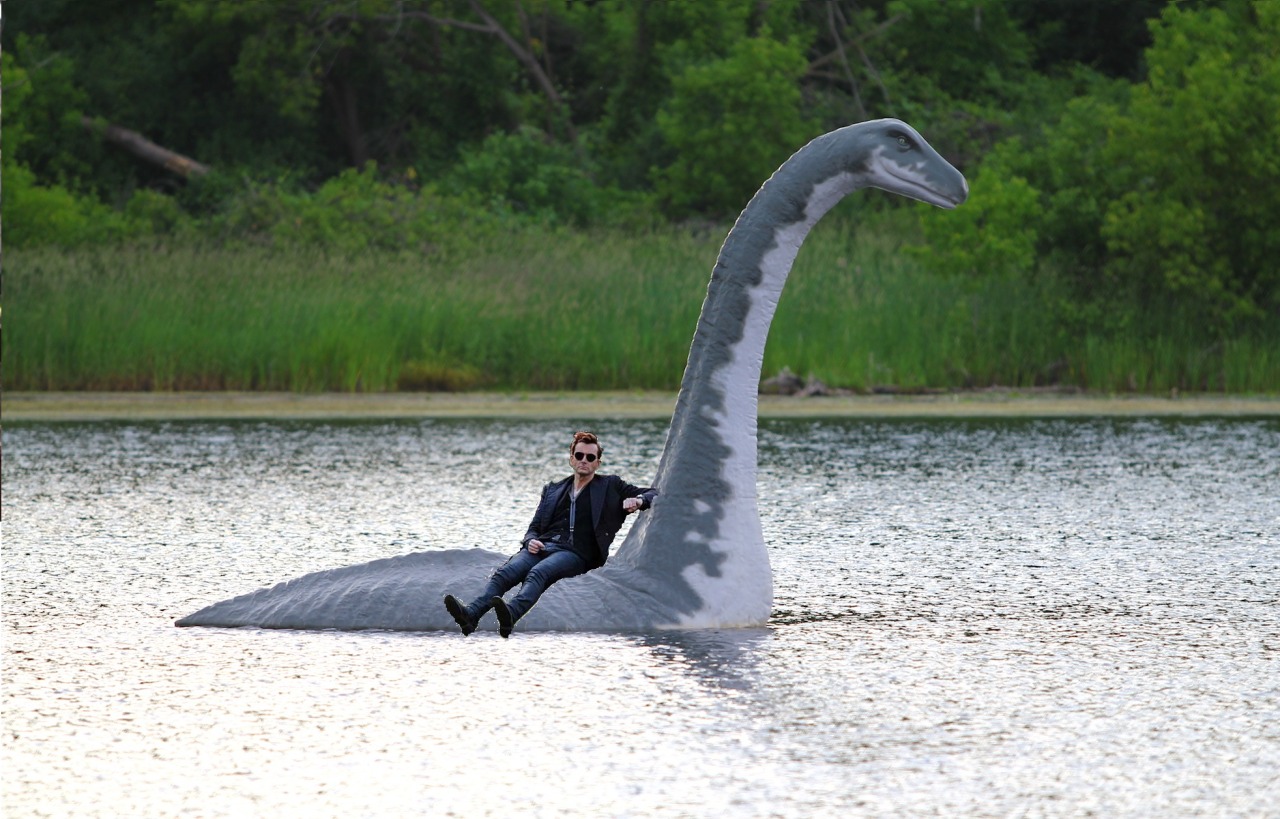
(585, 459)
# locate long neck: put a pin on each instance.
(713, 429)
(702, 548)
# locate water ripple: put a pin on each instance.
(980, 618)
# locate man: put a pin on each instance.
(576, 522)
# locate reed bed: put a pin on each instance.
(564, 311)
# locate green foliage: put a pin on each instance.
(354, 212)
(180, 317)
(860, 312)
(958, 70)
(731, 122)
(690, 105)
(963, 49)
(43, 109)
(1036, 205)
(1079, 182)
(1166, 192)
(36, 215)
(527, 173)
(281, 55)
(994, 235)
(150, 213)
(17, 94)
(1106, 35)
(349, 79)
(1200, 152)
(422, 376)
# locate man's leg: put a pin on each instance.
(555, 566)
(503, 579)
(507, 576)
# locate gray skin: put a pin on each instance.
(697, 558)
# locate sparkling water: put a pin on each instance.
(981, 618)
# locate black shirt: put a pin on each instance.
(583, 540)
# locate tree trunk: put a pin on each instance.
(342, 94)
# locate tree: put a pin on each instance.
(1199, 153)
(731, 122)
(1165, 191)
(36, 213)
(295, 91)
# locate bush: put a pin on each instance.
(528, 175)
(1166, 192)
(353, 212)
(37, 215)
(994, 234)
(1200, 153)
(150, 213)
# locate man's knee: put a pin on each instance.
(513, 571)
(548, 572)
(540, 576)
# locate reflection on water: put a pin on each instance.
(1056, 618)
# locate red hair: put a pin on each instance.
(586, 438)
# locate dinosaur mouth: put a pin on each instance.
(915, 186)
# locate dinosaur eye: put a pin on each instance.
(903, 142)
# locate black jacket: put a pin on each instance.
(607, 492)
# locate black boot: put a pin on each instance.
(460, 614)
(505, 621)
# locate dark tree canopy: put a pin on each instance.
(1092, 128)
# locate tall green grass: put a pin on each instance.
(563, 310)
(861, 312)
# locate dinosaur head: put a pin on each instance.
(897, 159)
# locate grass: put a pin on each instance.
(562, 311)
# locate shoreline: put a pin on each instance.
(172, 406)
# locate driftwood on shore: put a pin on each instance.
(143, 148)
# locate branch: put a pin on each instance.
(525, 56)
(875, 75)
(866, 60)
(861, 38)
(143, 148)
(489, 26)
(442, 22)
(844, 60)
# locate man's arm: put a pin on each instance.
(636, 498)
(538, 523)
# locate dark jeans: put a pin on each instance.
(536, 572)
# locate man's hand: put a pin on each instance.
(534, 546)
(631, 504)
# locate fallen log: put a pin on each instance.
(143, 148)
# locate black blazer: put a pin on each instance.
(607, 492)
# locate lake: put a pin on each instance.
(985, 617)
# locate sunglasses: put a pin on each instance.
(590, 456)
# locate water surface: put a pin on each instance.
(983, 618)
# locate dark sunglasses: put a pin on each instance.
(590, 456)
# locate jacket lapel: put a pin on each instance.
(557, 494)
(597, 501)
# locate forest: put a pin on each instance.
(381, 194)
